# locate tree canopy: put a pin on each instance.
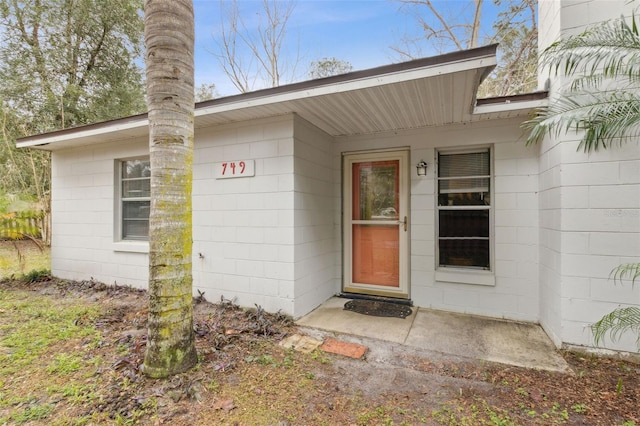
(327, 67)
(63, 63)
(71, 62)
(446, 28)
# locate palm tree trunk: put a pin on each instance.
(169, 41)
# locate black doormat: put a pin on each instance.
(377, 308)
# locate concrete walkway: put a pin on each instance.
(467, 336)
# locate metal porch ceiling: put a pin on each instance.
(431, 101)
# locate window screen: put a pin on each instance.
(135, 194)
(464, 204)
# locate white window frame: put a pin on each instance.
(459, 274)
(121, 243)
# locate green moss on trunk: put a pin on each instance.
(169, 41)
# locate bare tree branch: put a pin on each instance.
(229, 57)
(461, 27)
(265, 45)
(448, 27)
(475, 27)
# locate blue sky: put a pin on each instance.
(358, 31)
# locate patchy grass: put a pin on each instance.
(42, 353)
(18, 258)
(70, 355)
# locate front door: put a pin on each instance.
(376, 224)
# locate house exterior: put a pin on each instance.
(393, 182)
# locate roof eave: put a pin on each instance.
(482, 59)
(524, 103)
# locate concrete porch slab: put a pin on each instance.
(467, 336)
(331, 316)
(506, 342)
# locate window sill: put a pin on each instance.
(460, 276)
(131, 246)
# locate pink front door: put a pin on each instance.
(377, 225)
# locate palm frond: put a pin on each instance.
(604, 117)
(626, 271)
(594, 82)
(611, 48)
(603, 101)
(616, 323)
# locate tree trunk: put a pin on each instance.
(169, 41)
(475, 27)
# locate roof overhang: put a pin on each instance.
(431, 91)
(521, 106)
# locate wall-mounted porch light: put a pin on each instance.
(421, 168)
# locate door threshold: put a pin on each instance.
(407, 302)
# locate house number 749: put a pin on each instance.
(234, 169)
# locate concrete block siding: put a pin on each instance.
(243, 228)
(589, 206)
(316, 218)
(596, 235)
(274, 239)
(82, 206)
(515, 293)
(589, 224)
(271, 239)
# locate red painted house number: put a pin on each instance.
(234, 169)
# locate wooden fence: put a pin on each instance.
(20, 225)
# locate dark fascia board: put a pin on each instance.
(461, 55)
(452, 57)
(533, 96)
(32, 140)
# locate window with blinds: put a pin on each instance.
(135, 198)
(464, 204)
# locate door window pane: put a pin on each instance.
(376, 255)
(375, 190)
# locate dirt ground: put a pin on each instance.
(245, 378)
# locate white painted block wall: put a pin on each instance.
(515, 293)
(271, 239)
(589, 207)
(244, 234)
(599, 229)
(316, 218)
(82, 207)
